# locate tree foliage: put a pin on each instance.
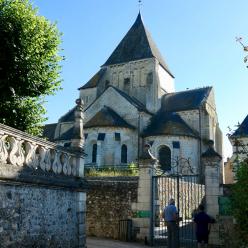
(240, 202)
(29, 64)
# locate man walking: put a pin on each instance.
(202, 221)
(171, 218)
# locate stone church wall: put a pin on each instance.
(166, 82)
(120, 105)
(191, 117)
(110, 147)
(189, 148)
(136, 72)
(88, 96)
(109, 200)
(35, 216)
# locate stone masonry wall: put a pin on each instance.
(42, 193)
(109, 150)
(109, 201)
(37, 217)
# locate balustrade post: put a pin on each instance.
(78, 137)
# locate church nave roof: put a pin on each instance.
(168, 123)
(184, 100)
(107, 117)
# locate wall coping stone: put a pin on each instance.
(25, 175)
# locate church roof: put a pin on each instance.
(107, 117)
(137, 44)
(67, 135)
(168, 123)
(69, 116)
(242, 130)
(184, 100)
(49, 131)
(93, 82)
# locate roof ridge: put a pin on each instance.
(67, 113)
(94, 80)
(189, 90)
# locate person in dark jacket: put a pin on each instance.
(202, 221)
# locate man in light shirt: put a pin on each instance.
(171, 218)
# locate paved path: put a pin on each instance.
(108, 243)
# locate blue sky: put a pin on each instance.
(196, 38)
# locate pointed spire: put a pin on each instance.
(137, 44)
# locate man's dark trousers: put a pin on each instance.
(172, 229)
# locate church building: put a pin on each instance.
(131, 101)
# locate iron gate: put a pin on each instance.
(188, 193)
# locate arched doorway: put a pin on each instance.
(123, 154)
(94, 153)
(164, 155)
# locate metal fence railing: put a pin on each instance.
(125, 230)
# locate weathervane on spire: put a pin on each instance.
(140, 4)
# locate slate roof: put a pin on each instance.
(168, 123)
(93, 82)
(107, 117)
(242, 130)
(68, 135)
(49, 131)
(137, 44)
(69, 116)
(184, 100)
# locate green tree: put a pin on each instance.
(29, 64)
(240, 202)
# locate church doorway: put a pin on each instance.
(164, 155)
(94, 153)
(123, 154)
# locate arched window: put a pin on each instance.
(124, 154)
(165, 158)
(94, 153)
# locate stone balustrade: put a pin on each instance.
(21, 149)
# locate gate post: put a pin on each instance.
(212, 164)
(142, 210)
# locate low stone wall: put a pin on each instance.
(109, 200)
(37, 217)
(42, 193)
